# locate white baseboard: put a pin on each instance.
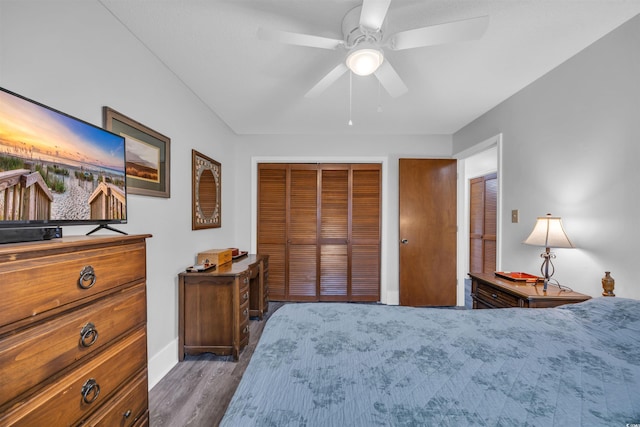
(162, 362)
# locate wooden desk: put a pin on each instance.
(490, 291)
(214, 306)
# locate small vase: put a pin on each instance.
(607, 284)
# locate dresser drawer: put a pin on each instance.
(244, 292)
(38, 285)
(125, 409)
(49, 347)
(75, 395)
(495, 297)
(244, 323)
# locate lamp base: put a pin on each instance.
(547, 255)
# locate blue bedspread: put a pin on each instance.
(328, 364)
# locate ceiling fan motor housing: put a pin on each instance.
(354, 33)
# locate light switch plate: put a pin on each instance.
(514, 216)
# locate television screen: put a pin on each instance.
(56, 169)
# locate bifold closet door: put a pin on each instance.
(483, 223)
(302, 234)
(320, 223)
(272, 223)
(365, 232)
(334, 232)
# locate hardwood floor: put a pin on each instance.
(197, 391)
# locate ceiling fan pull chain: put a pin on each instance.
(379, 99)
(350, 123)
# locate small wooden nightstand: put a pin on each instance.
(490, 291)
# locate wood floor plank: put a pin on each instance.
(197, 391)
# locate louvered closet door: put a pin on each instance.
(272, 220)
(326, 231)
(482, 220)
(366, 205)
(302, 233)
(334, 232)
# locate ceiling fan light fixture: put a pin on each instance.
(364, 62)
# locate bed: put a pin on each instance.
(337, 364)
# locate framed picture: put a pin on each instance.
(206, 192)
(147, 155)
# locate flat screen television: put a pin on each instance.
(57, 170)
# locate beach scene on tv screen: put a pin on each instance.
(57, 168)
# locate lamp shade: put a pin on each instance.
(549, 233)
(364, 61)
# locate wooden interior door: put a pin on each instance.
(428, 231)
(483, 194)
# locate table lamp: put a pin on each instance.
(548, 233)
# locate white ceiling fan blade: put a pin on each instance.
(390, 80)
(468, 29)
(373, 13)
(327, 80)
(298, 39)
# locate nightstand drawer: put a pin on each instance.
(495, 297)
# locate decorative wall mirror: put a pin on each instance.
(206, 192)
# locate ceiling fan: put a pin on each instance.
(365, 40)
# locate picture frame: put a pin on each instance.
(147, 152)
(206, 192)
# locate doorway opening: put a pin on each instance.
(482, 159)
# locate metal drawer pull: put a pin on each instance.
(127, 414)
(88, 335)
(245, 330)
(494, 296)
(245, 312)
(87, 275)
(90, 391)
(246, 280)
(245, 296)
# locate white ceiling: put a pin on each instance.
(258, 87)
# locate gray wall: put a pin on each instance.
(571, 144)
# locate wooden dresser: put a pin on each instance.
(490, 291)
(73, 343)
(215, 305)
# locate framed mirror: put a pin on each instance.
(206, 192)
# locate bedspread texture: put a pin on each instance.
(336, 364)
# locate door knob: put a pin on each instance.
(404, 241)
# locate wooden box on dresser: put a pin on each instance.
(73, 343)
(490, 291)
